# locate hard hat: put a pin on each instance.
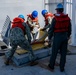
(21, 16)
(59, 6)
(34, 13)
(44, 12)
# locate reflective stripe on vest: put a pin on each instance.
(62, 23)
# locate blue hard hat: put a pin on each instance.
(44, 12)
(59, 6)
(34, 14)
(21, 16)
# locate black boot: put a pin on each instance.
(32, 63)
(50, 68)
(61, 70)
(6, 62)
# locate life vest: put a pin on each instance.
(62, 23)
(32, 20)
(17, 22)
(46, 17)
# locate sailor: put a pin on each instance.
(48, 16)
(17, 38)
(61, 30)
(32, 21)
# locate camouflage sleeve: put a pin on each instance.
(29, 21)
(27, 31)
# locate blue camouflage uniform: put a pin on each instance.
(17, 38)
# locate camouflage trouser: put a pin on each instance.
(24, 44)
(17, 38)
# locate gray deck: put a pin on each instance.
(70, 67)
